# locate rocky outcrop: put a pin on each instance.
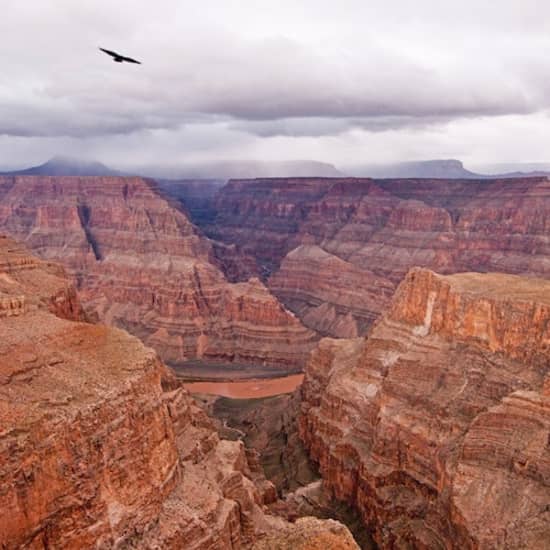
(269, 428)
(28, 284)
(75, 468)
(100, 447)
(141, 265)
(330, 295)
(436, 428)
(310, 534)
(336, 249)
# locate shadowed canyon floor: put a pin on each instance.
(270, 427)
(100, 447)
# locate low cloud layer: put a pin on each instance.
(257, 77)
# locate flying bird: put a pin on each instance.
(120, 58)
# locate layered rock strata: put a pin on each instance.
(437, 427)
(141, 265)
(100, 447)
(28, 284)
(337, 248)
(332, 296)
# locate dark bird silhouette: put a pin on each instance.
(120, 58)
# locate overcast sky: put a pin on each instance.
(348, 82)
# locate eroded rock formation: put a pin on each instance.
(269, 426)
(28, 284)
(99, 445)
(437, 427)
(331, 295)
(141, 265)
(310, 534)
(336, 249)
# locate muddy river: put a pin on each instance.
(246, 389)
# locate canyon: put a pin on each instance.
(140, 264)
(275, 277)
(268, 265)
(436, 427)
(425, 406)
(334, 250)
(101, 447)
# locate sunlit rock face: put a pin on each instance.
(334, 250)
(141, 265)
(436, 427)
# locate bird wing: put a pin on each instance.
(130, 60)
(109, 52)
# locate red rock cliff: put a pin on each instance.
(371, 232)
(100, 447)
(436, 428)
(28, 284)
(141, 265)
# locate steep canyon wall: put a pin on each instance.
(141, 265)
(334, 250)
(436, 427)
(100, 447)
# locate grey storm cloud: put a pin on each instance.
(297, 69)
(319, 126)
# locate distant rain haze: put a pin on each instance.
(347, 83)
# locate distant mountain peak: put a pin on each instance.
(62, 165)
(432, 168)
